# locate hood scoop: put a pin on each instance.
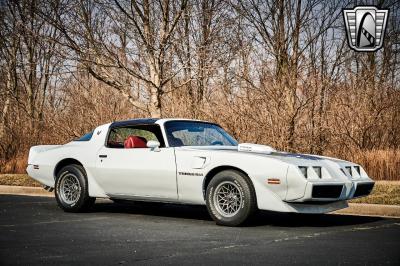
(256, 148)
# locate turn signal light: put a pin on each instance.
(274, 181)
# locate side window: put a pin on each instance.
(117, 136)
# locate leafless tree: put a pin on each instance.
(272, 72)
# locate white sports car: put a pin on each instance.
(192, 162)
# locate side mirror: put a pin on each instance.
(153, 145)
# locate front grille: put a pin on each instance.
(327, 191)
(363, 189)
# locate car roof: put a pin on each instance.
(150, 121)
(131, 122)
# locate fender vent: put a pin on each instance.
(327, 191)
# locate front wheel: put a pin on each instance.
(230, 198)
(72, 193)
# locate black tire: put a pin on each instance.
(233, 181)
(82, 201)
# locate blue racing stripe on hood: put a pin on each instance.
(296, 155)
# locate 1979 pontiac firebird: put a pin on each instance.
(192, 162)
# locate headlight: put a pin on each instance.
(348, 168)
(303, 170)
(318, 171)
(358, 169)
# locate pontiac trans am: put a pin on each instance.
(192, 162)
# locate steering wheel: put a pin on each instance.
(217, 142)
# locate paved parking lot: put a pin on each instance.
(33, 230)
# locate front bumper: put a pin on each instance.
(335, 191)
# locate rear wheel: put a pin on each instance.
(230, 198)
(71, 189)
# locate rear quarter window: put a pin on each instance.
(121, 134)
(118, 135)
(85, 137)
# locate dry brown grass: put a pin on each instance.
(15, 165)
(379, 164)
(18, 180)
(371, 210)
(384, 192)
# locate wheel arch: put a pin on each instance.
(65, 162)
(221, 168)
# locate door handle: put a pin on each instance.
(103, 156)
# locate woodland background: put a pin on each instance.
(271, 72)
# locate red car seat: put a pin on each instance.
(135, 142)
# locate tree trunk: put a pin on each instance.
(155, 90)
(6, 106)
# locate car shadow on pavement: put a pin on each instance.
(261, 218)
(195, 212)
(309, 220)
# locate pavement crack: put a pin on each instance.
(293, 238)
(53, 222)
(231, 246)
(354, 229)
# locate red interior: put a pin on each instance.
(135, 142)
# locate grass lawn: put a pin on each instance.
(384, 192)
(18, 180)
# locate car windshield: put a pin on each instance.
(190, 133)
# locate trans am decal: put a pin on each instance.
(192, 174)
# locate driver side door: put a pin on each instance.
(136, 172)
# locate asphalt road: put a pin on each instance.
(33, 231)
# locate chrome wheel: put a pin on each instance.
(228, 199)
(70, 188)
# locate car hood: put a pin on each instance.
(293, 158)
